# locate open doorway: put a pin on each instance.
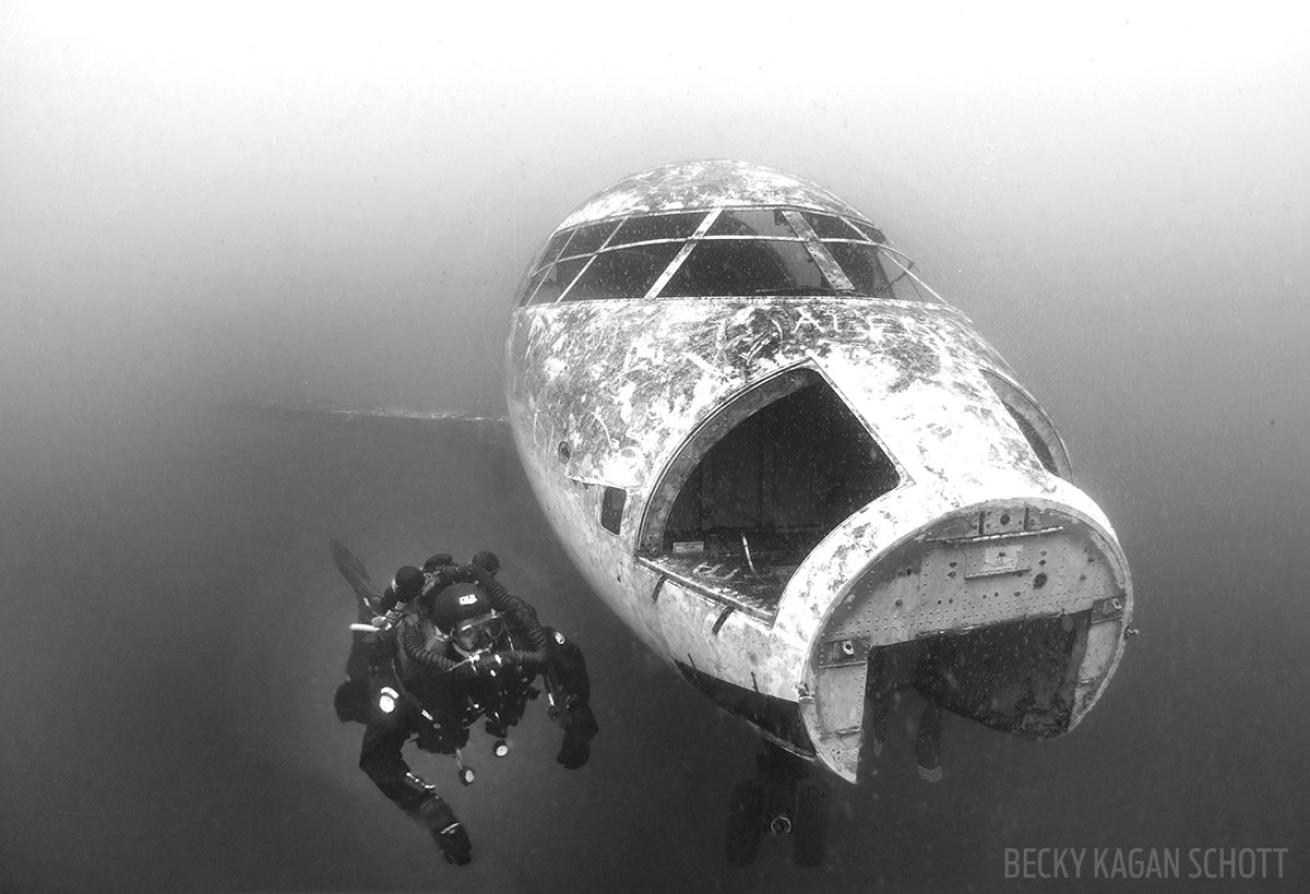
(1018, 677)
(755, 491)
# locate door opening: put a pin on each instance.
(738, 512)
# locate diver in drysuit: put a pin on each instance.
(351, 699)
(463, 649)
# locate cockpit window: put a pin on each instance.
(657, 226)
(724, 267)
(622, 273)
(553, 249)
(720, 253)
(589, 238)
(1033, 424)
(871, 231)
(555, 279)
(533, 282)
(905, 286)
(860, 262)
(765, 222)
(826, 226)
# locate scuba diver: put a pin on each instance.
(382, 613)
(455, 646)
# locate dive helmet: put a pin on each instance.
(407, 583)
(463, 612)
(437, 561)
(487, 561)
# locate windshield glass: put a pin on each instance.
(719, 253)
(656, 227)
(722, 267)
(623, 273)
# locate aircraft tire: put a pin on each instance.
(745, 823)
(810, 833)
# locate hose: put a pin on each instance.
(521, 616)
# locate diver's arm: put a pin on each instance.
(570, 688)
(519, 658)
(568, 668)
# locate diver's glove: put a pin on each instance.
(387, 622)
(580, 728)
(575, 751)
(454, 843)
(446, 831)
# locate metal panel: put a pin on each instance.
(1003, 520)
(935, 586)
(841, 708)
(1002, 557)
(841, 652)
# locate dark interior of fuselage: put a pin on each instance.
(766, 493)
(1017, 677)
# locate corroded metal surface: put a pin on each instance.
(623, 383)
(607, 393)
(604, 393)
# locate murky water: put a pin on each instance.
(177, 629)
(232, 207)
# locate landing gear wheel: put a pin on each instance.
(810, 826)
(745, 823)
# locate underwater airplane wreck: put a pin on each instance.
(803, 477)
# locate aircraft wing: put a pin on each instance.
(381, 413)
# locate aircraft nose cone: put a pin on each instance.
(1010, 613)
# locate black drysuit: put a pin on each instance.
(436, 703)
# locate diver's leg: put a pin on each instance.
(878, 700)
(928, 746)
(380, 757)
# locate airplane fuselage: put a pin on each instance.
(773, 461)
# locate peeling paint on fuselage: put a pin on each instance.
(605, 394)
(648, 372)
(624, 384)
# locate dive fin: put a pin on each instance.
(353, 570)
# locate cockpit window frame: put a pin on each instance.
(1033, 423)
(903, 284)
